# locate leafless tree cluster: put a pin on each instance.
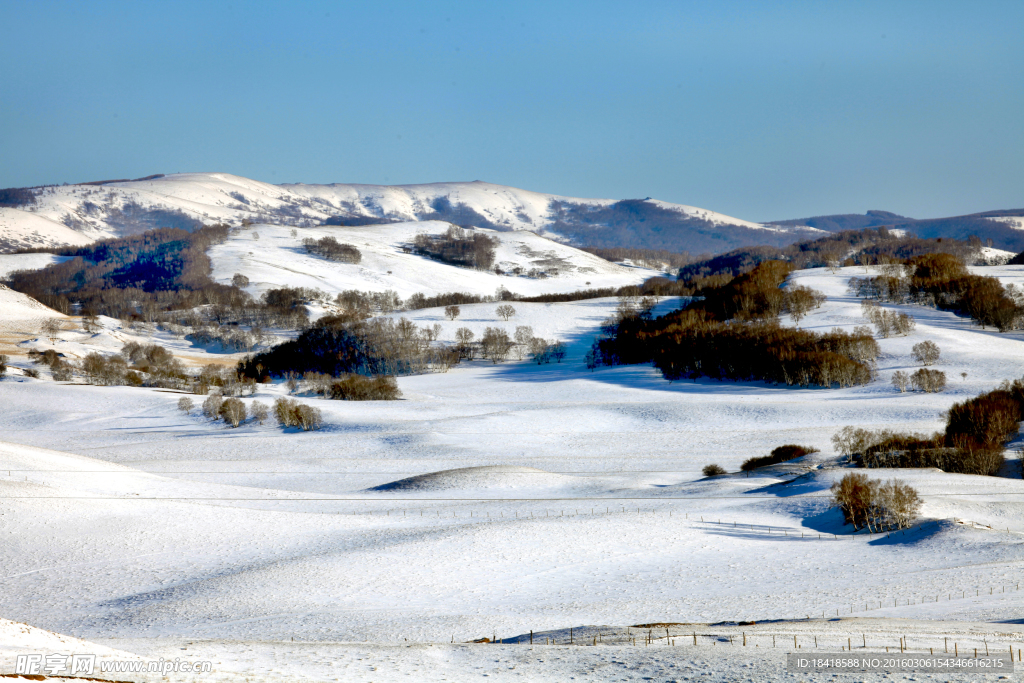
(713, 470)
(539, 350)
(942, 280)
(801, 300)
(350, 387)
(458, 246)
(495, 344)
(778, 455)
(3, 365)
(928, 381)
(876, 505)
(734, 333)
(926, 352)
(332, 249)
(952, 451)
(900, 380)
(362, 388)
(887, 323)
(291, 413)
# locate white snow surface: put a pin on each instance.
(500, 499)
(1015, 222)
(21, 229)
(278, 259)
(78, 214)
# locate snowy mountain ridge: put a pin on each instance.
(76, 214)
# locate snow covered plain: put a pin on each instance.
(576, 501)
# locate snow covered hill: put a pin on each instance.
(75, 214)
(272, 256)
(500, 499)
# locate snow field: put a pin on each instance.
(160, 527)
(278, 259)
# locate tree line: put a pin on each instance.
(973, 442)
(868, 247)
(734, 334)
(332, 249)
(458, 246)
(943, 281)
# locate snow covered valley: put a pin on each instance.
(499, 499)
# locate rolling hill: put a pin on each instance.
(81, 213)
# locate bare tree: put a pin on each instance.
(854, 495)
(523, 336)
(452, 312)
(432, 333)
(233, 411)
(900, 380)
(51, 329)
(3, 365)
(540, 351)
(185, 404)
(211, 406)
(930, 381)
(259, 411)
(713, 470)
(239, 280)
(496, 344)
(505, 311)
(897, 504)
(464, 343)
(926, 352)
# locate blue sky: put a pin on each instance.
(763, 110)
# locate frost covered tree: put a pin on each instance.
(897, 505)
(929, 381)
(211, 406)
(233, 411)
(523, 336)
(926, 352)
(185, 404)
(259, 411)
(900, 380)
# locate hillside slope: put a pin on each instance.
(277, 259)
(186, 199)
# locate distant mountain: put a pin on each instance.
(78, 214)
(1004, 228)
(86, 212)
(845, 221)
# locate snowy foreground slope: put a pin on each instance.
(77, 214)
(498, 499)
